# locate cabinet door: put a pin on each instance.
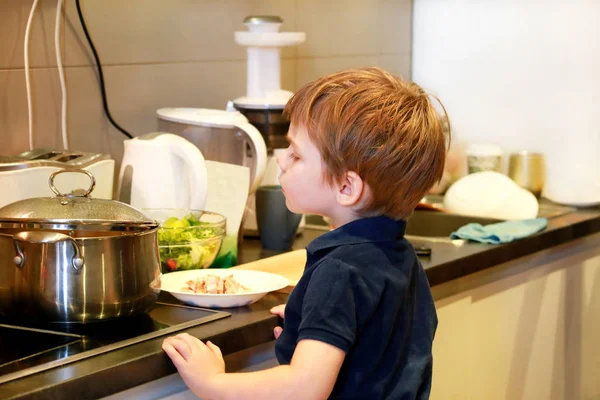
(523, 330)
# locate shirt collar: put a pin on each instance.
(365, 230)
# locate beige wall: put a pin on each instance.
(158, 53)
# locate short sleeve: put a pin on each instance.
(329, 307)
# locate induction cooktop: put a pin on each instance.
(28, 347)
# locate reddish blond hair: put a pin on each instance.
(379, 126)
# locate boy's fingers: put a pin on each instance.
(182, 347)
(193, 342)
(215, 349)
(277, 331)
(278, 310)
(173, 354)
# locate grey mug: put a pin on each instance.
(277, 225)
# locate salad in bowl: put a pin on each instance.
(188, 239)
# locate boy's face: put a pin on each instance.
(301, 176)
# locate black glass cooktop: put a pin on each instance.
(28, 347)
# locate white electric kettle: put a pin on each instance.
(222, 135)
(162, 170)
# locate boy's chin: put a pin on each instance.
(291, 207)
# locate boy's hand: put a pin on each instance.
(278, 310)
(197, 363)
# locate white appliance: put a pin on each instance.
(263, 74)
(264, 101)
(225, 136)
(162, 170)
(221, 135)
(26, 175)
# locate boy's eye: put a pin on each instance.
(291, 153)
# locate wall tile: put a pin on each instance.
(134, 94)
(146, 68)
(308, 69)
(13, 21)
(137, 91)
(288, 75)
(338, 27)
(155, 31)
(14, 127)
(87, 123)
(395, 19)
(396, 64)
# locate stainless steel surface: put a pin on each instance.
(73, 208)
(116, 276)
(227, 144)
(425, 224)
(528, 171)
(437, 224)
(86, 193)
(46, 237)
(270, 122)
(50, 158)
(262, 19)
(76, 259)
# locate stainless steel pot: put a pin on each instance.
(71, 258)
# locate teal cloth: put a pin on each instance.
(501, 232)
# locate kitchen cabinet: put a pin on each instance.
(527, 329)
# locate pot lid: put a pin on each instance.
(76, 207)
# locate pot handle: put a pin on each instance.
(45, 237)
(86, 193)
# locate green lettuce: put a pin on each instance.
(188, 243)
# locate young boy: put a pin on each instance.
(365, 147)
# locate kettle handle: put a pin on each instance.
(261, 153)
(194, 160)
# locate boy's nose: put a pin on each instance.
(281, 157)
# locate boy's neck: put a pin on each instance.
(342, 218)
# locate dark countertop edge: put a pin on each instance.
(134, 365)
(140, 363)
(493, 255)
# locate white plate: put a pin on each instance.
(259, 283)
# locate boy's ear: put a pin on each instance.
(350, 190)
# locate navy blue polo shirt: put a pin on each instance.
(364, 291)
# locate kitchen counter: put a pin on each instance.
(251, 326)
(452, 259)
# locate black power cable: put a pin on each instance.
(100, 75)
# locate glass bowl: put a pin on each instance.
(187, 239)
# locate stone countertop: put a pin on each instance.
(454, 259)
(253, 325)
